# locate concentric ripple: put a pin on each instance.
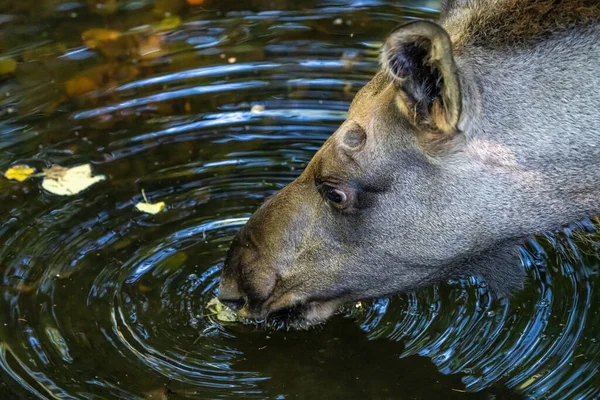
(101, 301)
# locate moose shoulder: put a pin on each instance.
(479, 130)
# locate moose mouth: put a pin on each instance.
(299, 315)
(293, 316)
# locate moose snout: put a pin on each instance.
(249, 273)
(229, 288)
(231, 298)
(230, 294)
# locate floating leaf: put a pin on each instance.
(47, 51)
(100, 77)
(150, 208)
(92, 38)
(150, 47)
(195, 2)
(19, 172)
(168, 24)
(69, 181)
(7, 66)
(80, 85)
(172, 262)
(166, 8)
(222, 312)
(55, 172)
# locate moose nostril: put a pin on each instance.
(234, 304)
(230, 295)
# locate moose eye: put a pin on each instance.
(335, 196)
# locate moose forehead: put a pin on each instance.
(380, 84)
(357, 151)
(335, 163)
(375, 110)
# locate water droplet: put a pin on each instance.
(490, 313)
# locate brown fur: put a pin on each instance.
(441, 119)
(503, 23)
(435, 133)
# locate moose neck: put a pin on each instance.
(549, 140)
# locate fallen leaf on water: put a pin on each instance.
(161, 393)
(195, 2)
(7, 66)
(19, 172)
(69, 181)
(150, 208)
(222, 312)
(93, 37)
(171, 263)
(47, 51)
(55, 172)
(167, 24)
(80, 85)
(150, 47)
(101, 77)
(167, 8)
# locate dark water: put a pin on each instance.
(211, 115)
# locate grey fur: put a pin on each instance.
(525, 159)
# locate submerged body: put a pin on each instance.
(480, 130)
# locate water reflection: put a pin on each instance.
(102, 301)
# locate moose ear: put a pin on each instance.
(418, 56)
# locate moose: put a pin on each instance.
(479, 130)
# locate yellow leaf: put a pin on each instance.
(168, 24)
(172, 262)
(80, 85)
(223, 313)
(51, 50)
(195, 2)
(7, 66)
(151, 208)
(93, 37)
(69, 181)
(19, 172)
(150, 47)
